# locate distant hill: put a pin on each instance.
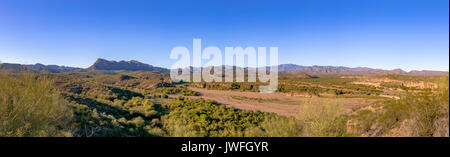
(298, 75)
(37, 68)
(293, 68)
(100, 64)
(309, 71)
(133, 65)
(427, 73)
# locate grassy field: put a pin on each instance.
(121, 103)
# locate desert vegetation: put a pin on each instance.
(137, 103)
(31, 106)
(416, 114)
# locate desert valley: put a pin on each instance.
(130, 98)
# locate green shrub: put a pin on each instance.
(416, 114)
(424, 109)
(277, 126)
(199, 117)
(138, 122)
(30, 106)
(324, 119)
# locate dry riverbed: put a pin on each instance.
(276, 102)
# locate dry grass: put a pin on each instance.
(323, 119)
(30, 106)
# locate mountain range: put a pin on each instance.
(38, 68)
(133, 65)
(354, 71)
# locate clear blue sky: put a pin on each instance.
(387, 34)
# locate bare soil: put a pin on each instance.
(276, 102)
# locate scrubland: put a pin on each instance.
(123, 104)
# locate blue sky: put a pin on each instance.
(387, 34)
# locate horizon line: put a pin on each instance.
(228, 65)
